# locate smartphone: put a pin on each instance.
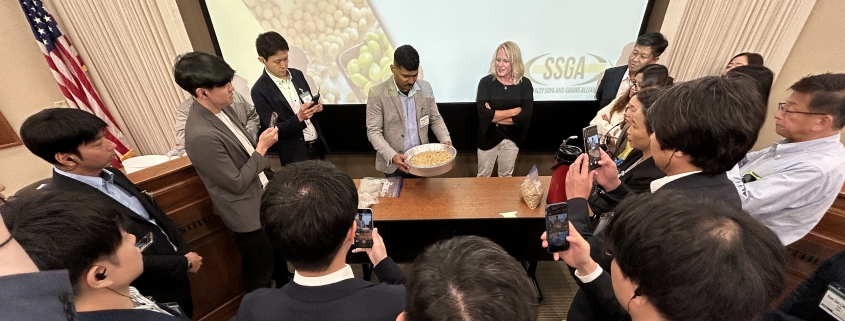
(316, 99)
(273, 119)
(364, 228)
(591, 145)
(557, 227)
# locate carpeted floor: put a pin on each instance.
(555, 282)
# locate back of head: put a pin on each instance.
(655, 40)
(406, 57)
(647, 97)
(762, 75)
(711, 119)
(828, 91)
(654, 75)
(60, 130)
(754, 59)
(200, 70)
(306, 212)
(468, 278)
(269, 43)
(64, 230)
(696, 259)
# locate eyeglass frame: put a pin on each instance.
(633, 83)
(145, 242)
(782, 107)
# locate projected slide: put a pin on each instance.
(346, 46)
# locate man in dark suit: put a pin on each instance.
(806, 301)
(86, 236)
(231, 164)
(701, 128)
(308, 211)
(284, 91)
(617, 80)
(74, 142)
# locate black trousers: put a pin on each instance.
(315, 150)
(256, 259)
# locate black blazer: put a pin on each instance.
(165, 276)
(351, 299)
(802, 304)
(637, 179)
(609, 84)
(596, 300)
(268, 99)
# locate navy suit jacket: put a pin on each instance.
(350, 299)
(267, 99)
(609, 84)
(165, 276)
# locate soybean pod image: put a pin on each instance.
(348, 52)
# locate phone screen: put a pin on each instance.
(273, 119)
(591, 145)
(364, 228)
(557, 227)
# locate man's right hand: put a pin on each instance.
(578, 254)
(195, 260)
(399, 162)
(306, 111)
(607, 175)
(378, 252)
(269, 137)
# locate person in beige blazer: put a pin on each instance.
(400, 111)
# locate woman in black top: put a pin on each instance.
(638, 169)
(505, 101)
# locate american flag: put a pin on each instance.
(69, 71)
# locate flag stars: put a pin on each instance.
(41, 31)
(38, 20)
(47, 19)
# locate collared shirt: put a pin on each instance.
(244, 141)
(625, 85)
(660, 182)
(105, 183)
(409, 106)
(143, 303)
(331, 278)
(798, 183)
(290, 93)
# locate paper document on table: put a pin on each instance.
(508, 214)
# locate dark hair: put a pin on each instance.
(64, 229)
(653, 75)
(468, 278)
(762, 76)
(828, 91)
(200, 70)
(60, 130)
(647, 97)
(269, 43)
(696, 258)
(306, 212)
(406, 57)
(655, 40)
(754, 59)
(710, 119)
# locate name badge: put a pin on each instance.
(424, 121)
(833, 302)
(305, 97)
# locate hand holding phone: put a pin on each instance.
(364, 228)
(273, 119)
(316, 99)
(557, 227)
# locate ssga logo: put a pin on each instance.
(570, 69)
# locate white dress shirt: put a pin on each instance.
(625, 85)
(331, 278)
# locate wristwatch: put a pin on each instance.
(190, 265)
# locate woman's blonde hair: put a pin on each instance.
(515, 58)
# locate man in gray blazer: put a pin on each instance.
(243, 109)
(227, 159)
(400, 111)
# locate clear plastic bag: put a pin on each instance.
(532, 194)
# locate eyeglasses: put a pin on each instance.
(144, 242)
(782, 107)
(633, 83)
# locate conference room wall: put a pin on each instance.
(26, 87)
(819, 49)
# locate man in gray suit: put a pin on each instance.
(399, 112)
(227, 159)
